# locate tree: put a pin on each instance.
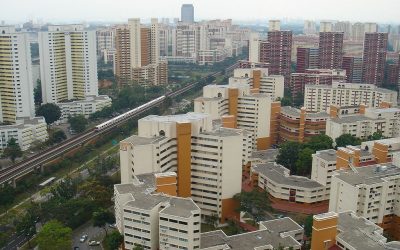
(7, 195)
(304, 162)
(347, 139)
(50, 111)
(54, 235)
(37, 93)
(254, 203)
(78, 123)
(65, 189)
(114, 240)
(376, 136)
(286, 101)
(57, 136)
(320, 142)
(288, 155)
(94, 191)
(13, 150)
(308, 225)
(138, 247)
(102, 217)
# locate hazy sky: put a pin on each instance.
(120, 10)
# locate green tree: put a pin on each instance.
(50, 111)
(288, 155)
(114, 240)
(7, 195)
(376, 136)
(65, 189)
(37, 93)
(13, 150)
(57, 136)
(308, 225)
(304, 162)
(138, 247)
(78, 123)
(286, 101)
(254, 203)
(346, 140)
(102, 217)
(54, 235)
(320, 142)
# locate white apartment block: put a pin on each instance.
(254, 47)
(17, 108)
(68, 65)
(25, 131)
(277, 181)
(320, 97)
(250, 111)
(16, 94)
(323, 165)
(84, 107)
(383, 120)
(208, 161)
(371, 191)
(272, 85)
(153, 219)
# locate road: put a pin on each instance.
(16, 242)
(94, 233)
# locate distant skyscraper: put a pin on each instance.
(274, 25)
(357, 32)
(254, 47)
(325, 26)
(374, 57)
(344, 27)
(353, 67)
(68, 63)
(309, 28)
(187, 13)
(330, 50)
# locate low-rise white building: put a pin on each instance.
(25, 131)
(89, 105)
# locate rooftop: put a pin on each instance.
(351, 119)
(279, 174)
(327, 155)
(368, 175)
(251, 240)
(176, 118)
(268, 155)
(139, 140)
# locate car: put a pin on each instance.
(112, 226)
(83, 238)
(76, 248)
(93, 243)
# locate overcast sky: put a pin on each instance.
(120, 10)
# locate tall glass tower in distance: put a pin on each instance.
(187, 13)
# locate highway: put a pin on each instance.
(16, 171)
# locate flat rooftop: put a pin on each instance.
(352, 119)
(268, 155)
(368, 175)
(251, 240)
(277, 174)
(176, 118)
(327, 155)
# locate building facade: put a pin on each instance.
(374, 58)
(320, 97)
(330, 50)
(68, 65)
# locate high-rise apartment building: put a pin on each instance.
(105, 39)
(330, 50)
(274, 25)
(68, 65)
(187, 13)
(17, 108)
(325, 26)
(313, 77)
(254, 47)
(374, 58)
(16, 93)
(208, 161)
(320, 97)
(307, 58)
(344, 27)
(277, 51)
(353, 67)
(137, 58)
(309, 28)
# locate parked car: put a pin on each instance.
(83, 238)
(112, 225)
(94, 243)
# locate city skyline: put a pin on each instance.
(62, 11)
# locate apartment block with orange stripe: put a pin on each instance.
(347, 230)
(149, 214)
(237, 105)
(384, 119)
(208, 161)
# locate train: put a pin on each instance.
(128, 114)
